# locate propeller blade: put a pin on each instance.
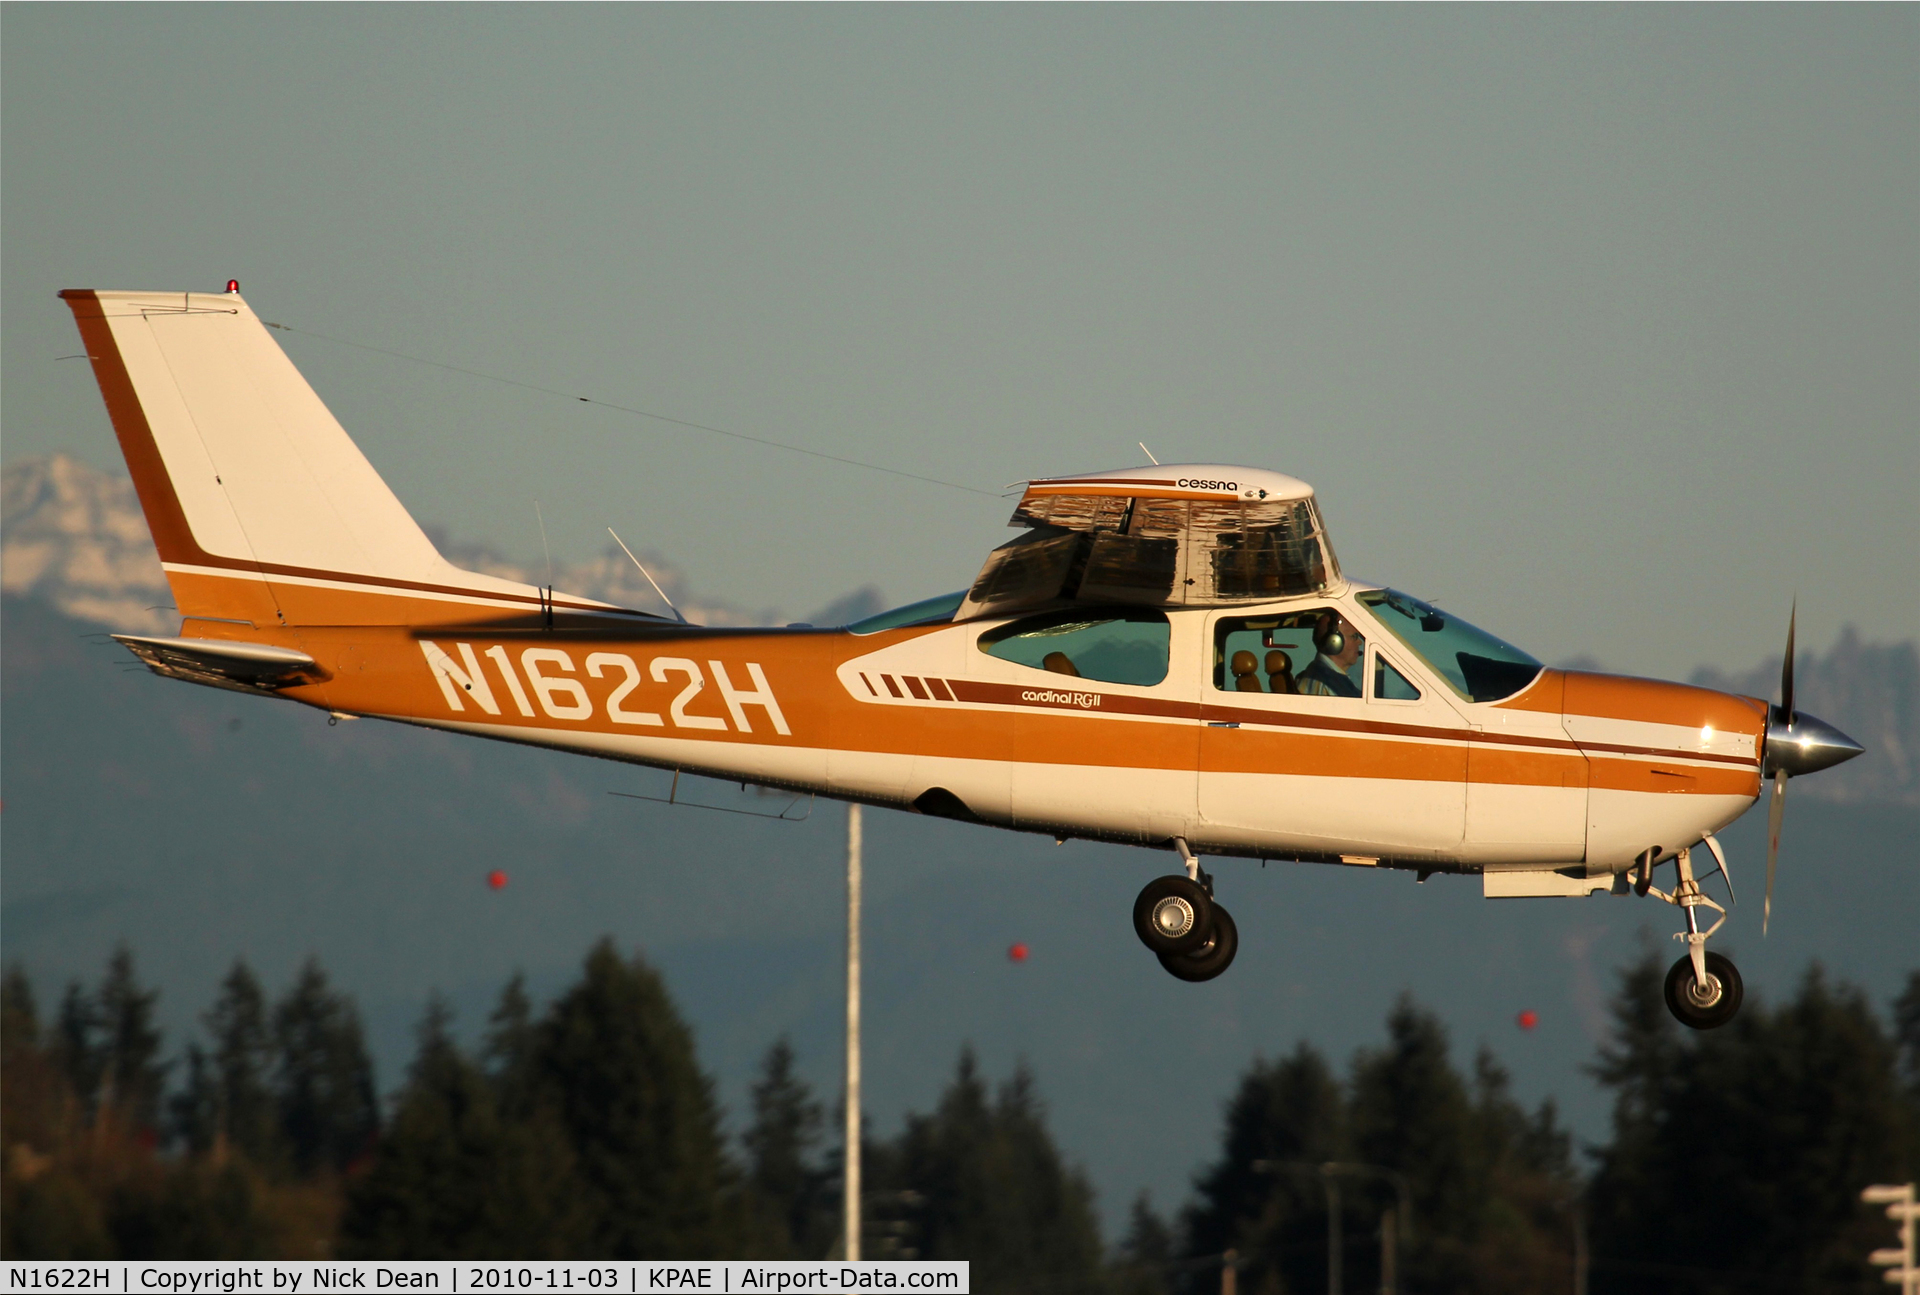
(1720, 857)
(1786, 666)
(1775, 808)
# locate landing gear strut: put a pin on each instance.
(1176, 917)
(1703, 989)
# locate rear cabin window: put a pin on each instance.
(1113, 645)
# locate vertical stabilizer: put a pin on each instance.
(262, 507)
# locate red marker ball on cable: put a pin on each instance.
(1017, 953)
(1529, 1019)
(497, 879)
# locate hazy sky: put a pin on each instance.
(1596, 324)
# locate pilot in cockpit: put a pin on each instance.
(1338, 645)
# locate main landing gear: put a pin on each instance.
(1703, 989)
(1177, 918)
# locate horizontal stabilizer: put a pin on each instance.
(218, 663)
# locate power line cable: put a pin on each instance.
(629, 409)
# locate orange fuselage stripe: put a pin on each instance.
(381, 670)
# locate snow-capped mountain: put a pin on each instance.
(74, 536)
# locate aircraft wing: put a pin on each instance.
(219, 663)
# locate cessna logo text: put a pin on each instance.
(553, 681)
(1194, 483)
(1084, 700)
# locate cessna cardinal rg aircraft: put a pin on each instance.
(1167, 656)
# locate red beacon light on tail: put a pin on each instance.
(233, 285)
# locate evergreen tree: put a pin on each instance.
(324, 1080)
(994, 1189)
(1522, 1236)
(1490, 1185)
(1906, 1033)
(1259, 1199)
(195, 1210)
(788, 1185)
(512, 1046)
(1737, 1160)
(1146, 1260)
(454, 1178)
(1639, 1062)
(228, 1101)
(76, 1050)
(616, 1064)
(46, 1212)
(1411, 1112)
(19, 1013)
(133, 1078)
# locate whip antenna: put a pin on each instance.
(649, 575)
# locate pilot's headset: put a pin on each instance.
(1327, 638)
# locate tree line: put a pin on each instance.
(586, 1128)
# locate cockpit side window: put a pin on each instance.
(1110, 645)
(1389, 684)
(1316, 652)
(1473, 662)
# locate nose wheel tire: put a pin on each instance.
(1173, 915)
(1704, 1007)
(1212, 957)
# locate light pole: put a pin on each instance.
(1902, 1209)
(850, 1178)
(1394, 1226)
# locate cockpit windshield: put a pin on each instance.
(1474, 663)
(928, 611)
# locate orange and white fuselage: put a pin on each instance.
(277, 534)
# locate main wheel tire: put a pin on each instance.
(1709, 1009)
(1211, 958)
(1173, 915)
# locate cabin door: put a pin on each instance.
(1316, 740)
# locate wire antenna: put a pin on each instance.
(628, 409)
(1149, 453)
(649, 575)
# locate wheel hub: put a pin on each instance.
(1703, 996)
(1173, 917)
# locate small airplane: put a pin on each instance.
(1164, 656)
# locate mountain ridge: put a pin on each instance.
(73, 536)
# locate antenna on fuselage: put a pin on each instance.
(649, 575)
(546, 593)
(1149, 453)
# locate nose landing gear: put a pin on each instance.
(1703, 989)
(1704, 1005)
(1177, 918)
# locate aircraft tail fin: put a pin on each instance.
(263, 509)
